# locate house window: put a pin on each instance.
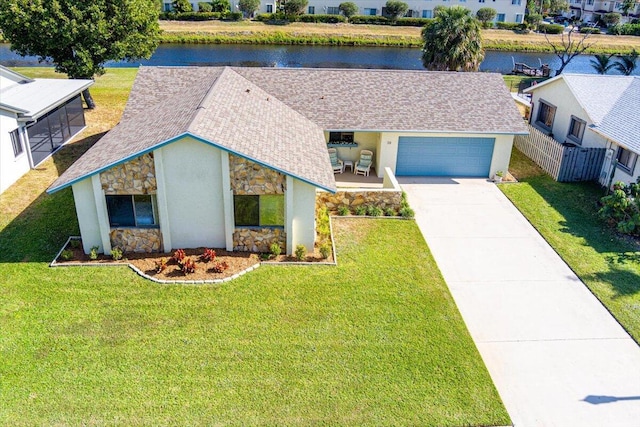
(576, 129)
(519, 17)
(333, 10)
(590, 2)
(269, 8)
(546, 114)
(132, 210)
(259, 211)
(370, 11)
(516, 2)
(312, 10)
(340, 136)
(480, 1)
(627, 160)
(16, 143)
(167, 7)
(427, 14)
(500, 17)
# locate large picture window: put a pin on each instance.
(260, 211)
(546, 114)
(627, 160)
(132, 210)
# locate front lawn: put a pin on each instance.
(377, 340)
(566, 216)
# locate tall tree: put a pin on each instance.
(626, 6)
(602, 63)
(79, 36)
(568, 48)
(181, 6)
(452, 41)
(485, 15)
(247, 7)
(627, 64)
(348, 9)
(295, 7)
(395, 9)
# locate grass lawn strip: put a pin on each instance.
(566, 216)
(374, 341)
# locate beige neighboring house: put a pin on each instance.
(591, 110)
(593, 10)
(37, 116)
(232, 157)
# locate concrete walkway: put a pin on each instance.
(556, 355)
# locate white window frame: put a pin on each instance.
(16, 143)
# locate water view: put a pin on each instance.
(315, 57)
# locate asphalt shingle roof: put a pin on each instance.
(277, 116)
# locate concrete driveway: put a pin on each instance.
(556, 355)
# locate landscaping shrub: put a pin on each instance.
(161, 265)
(116, 253)
(589, 30)
(348, 9)
(66, 255)
(93, 253)
(326, 19)
(550, 28)
(178, 255)
(373, 210)
(322, 227)
(412, 22)
(370, 19)
(301, 252)
(275, 249)
(205, 7)
(75, 243)
(233, 16)
(360, 210)
(407, 212)
(622, 208)
(190, 16)
(219, 267)
(264, 17)
(611, 18)
(390, 212)
(208, 255)
(325, 250)
(343, 211)
(624, 30)
(187, 266)
(510, 26)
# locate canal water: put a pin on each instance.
(315, 57)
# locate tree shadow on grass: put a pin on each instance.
(578, 204)
(41, 228)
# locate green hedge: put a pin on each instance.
(510, 26)
(624, 30)
(326, 19)
(589, 30)
(370, 19)
(190, 16)
(551, 28)
(412, 22)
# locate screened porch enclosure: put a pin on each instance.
(55, 128)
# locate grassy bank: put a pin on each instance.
(566, 216)
(376, 341)
(249, 32)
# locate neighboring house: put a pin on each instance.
(591, 110)
(507, 10)
(37, 116)
(232, 157)
(593, 10)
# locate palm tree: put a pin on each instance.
(452, 41)
(602, 63)
(626, 64)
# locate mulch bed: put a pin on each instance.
(148, 262)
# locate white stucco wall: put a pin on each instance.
(192, 179)
(388, 149)
(558, 94)
(303, 216)
(87, 215)
(11, 167)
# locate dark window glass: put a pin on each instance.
(340, 136)
(120, 209)
(246, 210)
(266, 210)
(16, 143)
(546, 114)
(627, 160)
(576, 129)
(144, 210)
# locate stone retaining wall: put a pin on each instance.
(137, 176)
(258, 239)
(351, 198)
(249, 178)
(136, 239)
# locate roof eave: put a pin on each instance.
(468, 132)
(43, 111)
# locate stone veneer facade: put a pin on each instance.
(351, 198)
(137, 176)
(249, 178)
(136, 239)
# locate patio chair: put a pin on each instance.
(363, 165)
(336, 163)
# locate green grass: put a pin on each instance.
(377, 340)
(566, 215)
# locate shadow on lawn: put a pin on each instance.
(577, 203)
(41, 228)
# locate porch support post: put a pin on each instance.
(161, 198)
(227, 200)
(101, 210)
(288, 215)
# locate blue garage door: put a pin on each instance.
(420, 156)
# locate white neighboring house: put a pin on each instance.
(37, 116)
(507, 10)
(592, 10)
(591, 110)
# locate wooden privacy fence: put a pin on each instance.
(565, 163)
